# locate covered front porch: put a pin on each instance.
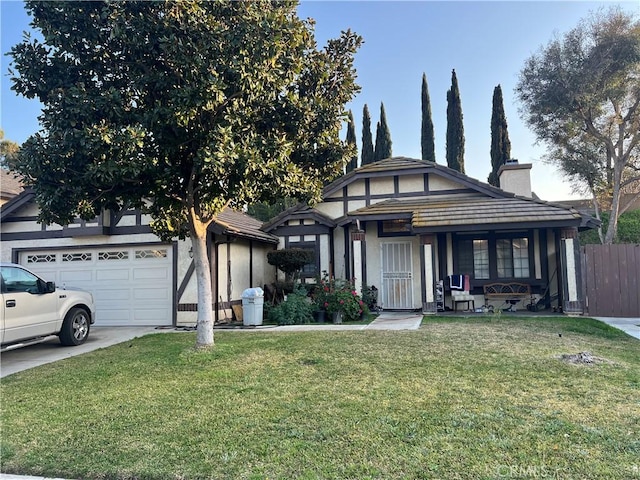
(470, 254)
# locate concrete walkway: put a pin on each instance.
(630, 326)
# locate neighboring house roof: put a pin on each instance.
(10, 184)
(16, 203)
(586, 204)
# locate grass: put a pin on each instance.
(476, 398)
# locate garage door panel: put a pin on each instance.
(108, 274)
(76, 275)
(111, 294)
(131, 285)
(151, 294)
(148, 315)
(114, 317)
(151, 274)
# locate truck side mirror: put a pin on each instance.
(50, 287)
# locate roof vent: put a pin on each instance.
(511, 161)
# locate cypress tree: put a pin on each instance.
(427, 134)
(351, 140)
(383, 137)
(367, 141)
(455, 129)
(500, 144)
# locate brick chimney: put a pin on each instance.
(516, 177)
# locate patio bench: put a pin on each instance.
(507, 292)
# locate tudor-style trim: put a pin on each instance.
(495, 227)
(409, 166)
(186, 279)
(385, 196)
(367, 191)
(32, 218)
(174, 281)
(212, 249)
(347, 251)
(76, 232)
(294, 230)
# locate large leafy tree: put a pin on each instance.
(383, 137)
(500, 143)
(581, 96)
(182, 109)
(367, 139)
(351, 141)
(427, 135)
(455, 128)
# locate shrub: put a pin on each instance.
(295, 310)
(290, 260)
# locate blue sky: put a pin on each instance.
(486, 43)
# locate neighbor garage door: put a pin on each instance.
(131, 285)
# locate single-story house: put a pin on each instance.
(408, 226)
(136, 278)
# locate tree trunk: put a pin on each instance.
(204, 334)
(612, 228)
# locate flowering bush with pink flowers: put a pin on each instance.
(336, 295)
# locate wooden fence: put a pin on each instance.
(612, 280)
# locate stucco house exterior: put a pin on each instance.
(136, 278)
(404, 225)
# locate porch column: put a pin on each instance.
(427, 252)
(359, 261)
(571, 285)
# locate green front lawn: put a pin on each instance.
(476, 398)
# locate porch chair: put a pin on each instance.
(459, 285)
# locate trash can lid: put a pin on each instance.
(253, 292)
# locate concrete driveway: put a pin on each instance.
(52, 350)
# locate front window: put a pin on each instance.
(489, 256)
(394, 228)
(512, 256)
(481, 259)
(310, 270)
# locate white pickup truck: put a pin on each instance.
(33, 309)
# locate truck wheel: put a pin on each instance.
(75, 328)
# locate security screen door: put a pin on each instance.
(397, 284)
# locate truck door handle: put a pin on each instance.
(11, 303)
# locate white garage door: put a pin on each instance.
(131, 285)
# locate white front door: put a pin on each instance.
(397, 276)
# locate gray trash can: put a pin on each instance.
(252, 306)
